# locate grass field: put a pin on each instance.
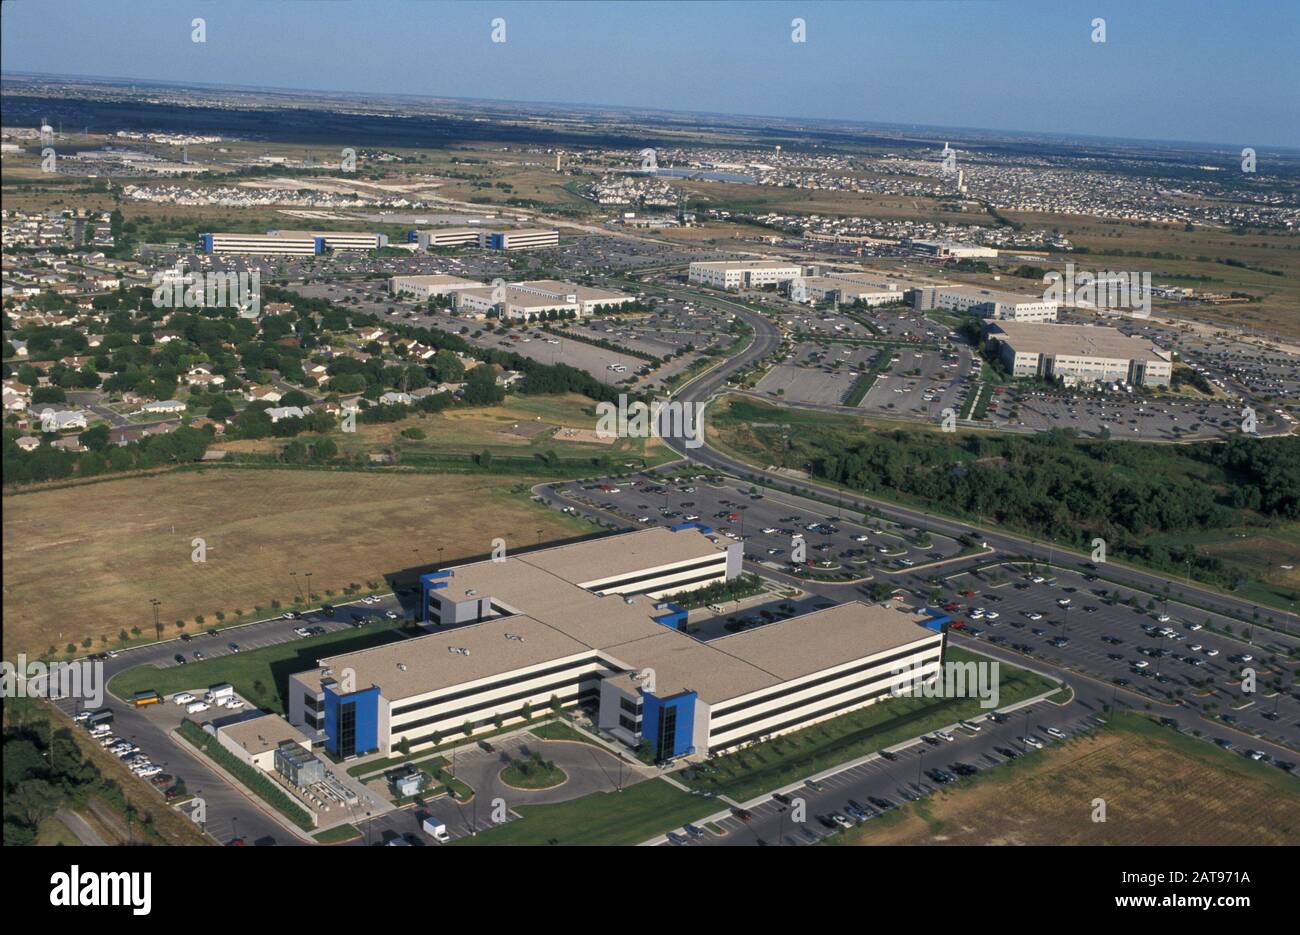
(504, 430)
(259, 675)
(774, 763)
(84, 561)
(636, 814)
(1160, 788)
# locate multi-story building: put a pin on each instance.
(951, 249)
(590, 624)
(435, 237)
(520, 239)
(743, 274)
(427, 287)
(1079, 354)
(299, 243)
(988, 303)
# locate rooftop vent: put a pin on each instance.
(459, 650)
(401, 667)
(514, 636)
(629, 599)
(470, 592)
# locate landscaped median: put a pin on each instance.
(772, 764)
(637, 813)
(250, 777)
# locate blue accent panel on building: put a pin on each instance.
(320, 245)
(495, 241)
(674, 619)
(207, 243)
(429, 583)
(364, 705)
(412, 236)
(935, 619)
(691, 525)
(679, 710)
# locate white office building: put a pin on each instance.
(743, 274)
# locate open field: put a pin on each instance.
(505, 430)
(1160, 788)
(635, 814)
(84, 561)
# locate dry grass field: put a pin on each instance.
(1160, 788)
(84, 561)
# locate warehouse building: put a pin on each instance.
(743, 274)
(521, 239)
(436, 237)
(1079, 354)
(590, 624)
(988, 303)
(427, 287)
(850, 287)
(519, 300)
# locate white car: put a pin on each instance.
(1063, 602)
(944, 735)
(1057, 733)
(859, 538)
(1141, 664)
(1211, 652)
(1032, 741)
(1196, 647)
(182, 698)
(969, 725)
(390, 614)
(769, 530)
(302, 631)
(991, 615)
(1034, 615)
(1163, 618)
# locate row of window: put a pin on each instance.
(723, 710)
(719, 560)
(500, 683)
(585, 695)
(811, 715)
(548, 690)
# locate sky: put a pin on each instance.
(1219, 71)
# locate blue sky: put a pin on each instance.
(1222, 72)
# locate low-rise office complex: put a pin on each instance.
(436, 237)
(520, 239)
(519, 300)
(989, 303)
(743, 274)
(427, 287)
(289, 242)
(1079, 354)
(951, 249)
(589, 624)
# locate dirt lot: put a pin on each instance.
(1160, 788)
(86, 560)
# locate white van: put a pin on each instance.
(183, 698)
(196, 707)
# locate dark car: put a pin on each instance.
(180, 660)
(743, 814)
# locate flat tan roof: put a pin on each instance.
(262, 734)
(427, 663)
(743, 264)
(613, 557)
(438, 279)
(682, 663)
(812, 642)
(1074, 341)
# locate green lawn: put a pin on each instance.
(337, 834)
(774, 763)
(636, 814)
(261, 676)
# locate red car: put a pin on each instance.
(743, 814)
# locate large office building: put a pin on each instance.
(849, 287)
(988, 303)
(428, 287)
(519, 300)
(743, 274)
(1079, 354)
(590, 624)
(951, 249)
(278, 244)
(292, 243)
(520, 239)
(436, 237)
